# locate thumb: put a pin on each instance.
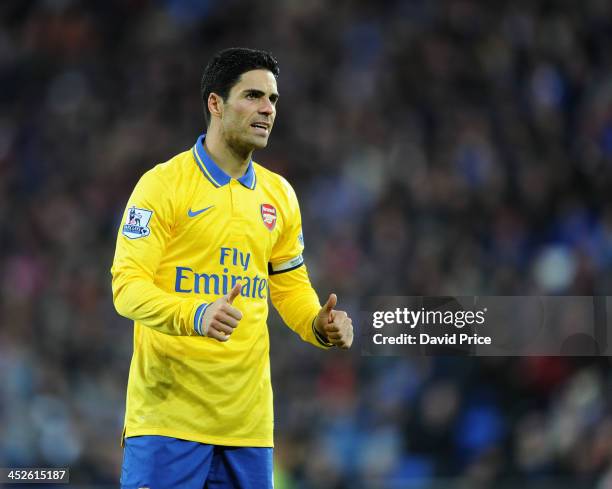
(235, 292)
(330, 304)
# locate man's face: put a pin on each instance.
(249, 111)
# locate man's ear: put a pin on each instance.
(215, 105)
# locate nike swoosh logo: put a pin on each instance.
(191, 213)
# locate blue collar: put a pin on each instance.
(216, 175)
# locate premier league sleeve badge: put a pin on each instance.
(137, 223)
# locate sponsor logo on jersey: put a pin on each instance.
(268, 214)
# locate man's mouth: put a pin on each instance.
(262, 126)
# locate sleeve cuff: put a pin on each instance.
(323, 341)
(198, 319)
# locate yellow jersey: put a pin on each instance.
(188, 234)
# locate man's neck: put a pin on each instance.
(232, 162)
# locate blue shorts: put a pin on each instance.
(160, 462)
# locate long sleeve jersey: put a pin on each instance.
(188, 234)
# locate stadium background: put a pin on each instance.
(450, 147)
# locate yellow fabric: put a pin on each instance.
(182, 384)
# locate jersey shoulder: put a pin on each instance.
(170, 175)
(175, 168)
(163, 186)
(276, 183)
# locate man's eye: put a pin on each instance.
(251, 95)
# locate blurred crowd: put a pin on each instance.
(437, 148)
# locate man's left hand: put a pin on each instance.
(334, 325)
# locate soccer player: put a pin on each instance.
(218, 234)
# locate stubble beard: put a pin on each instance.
(244, 144)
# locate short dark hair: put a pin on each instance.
(225, 68)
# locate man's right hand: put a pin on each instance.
(221, 318)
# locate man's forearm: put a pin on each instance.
(297, 303)
(140, 300)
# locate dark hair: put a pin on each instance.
(225, 68)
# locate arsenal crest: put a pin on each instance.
(268, 214)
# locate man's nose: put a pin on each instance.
(266, 107)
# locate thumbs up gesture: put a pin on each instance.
(334, 325)
(221, 317)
